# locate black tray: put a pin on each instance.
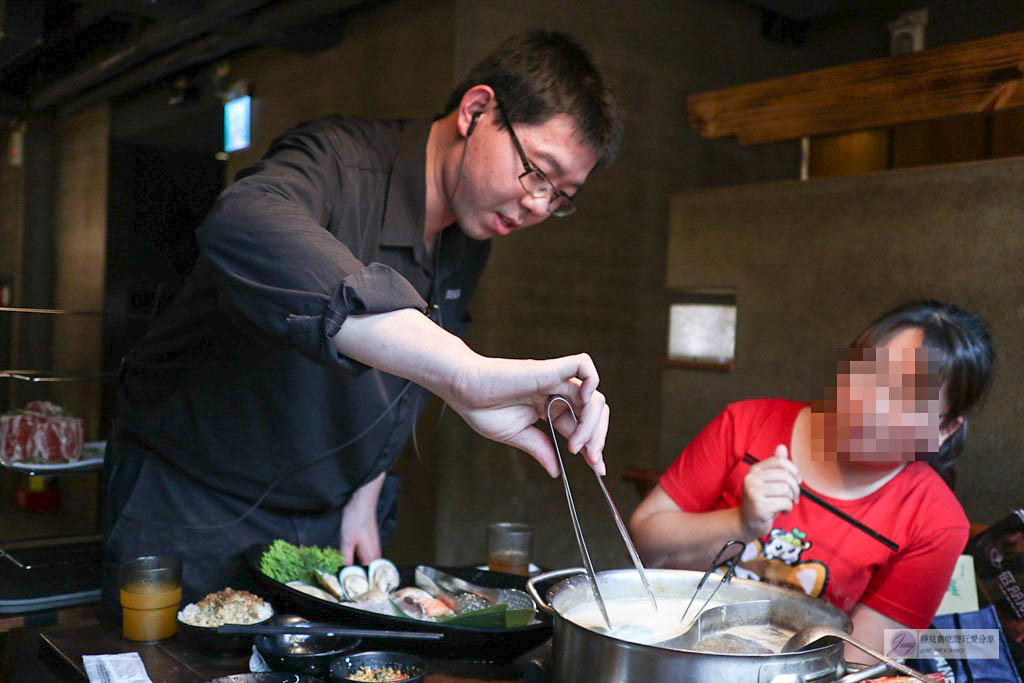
(50, 577)
(462, 642)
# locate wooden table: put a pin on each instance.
(170, 661)
(19, 633)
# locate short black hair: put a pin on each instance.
(538, 74)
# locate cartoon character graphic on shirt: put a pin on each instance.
(776, 559)
(785, 546)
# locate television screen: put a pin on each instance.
(236, 123)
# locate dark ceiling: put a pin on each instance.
(64, 55)
(802, 10)
(67, 54)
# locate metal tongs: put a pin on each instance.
(730, 563)
(579, 531)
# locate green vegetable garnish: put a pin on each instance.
(518, 618)
(496, 616)
(488, 617)
(398, 610)
(285, 562)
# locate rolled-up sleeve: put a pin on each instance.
(279, 271)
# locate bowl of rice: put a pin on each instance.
(198, 621)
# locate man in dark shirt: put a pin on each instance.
(276, 391)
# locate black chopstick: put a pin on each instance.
(750, 460)
(324, 629)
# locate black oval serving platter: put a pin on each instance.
(463, 642)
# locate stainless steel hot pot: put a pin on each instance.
(585, 656)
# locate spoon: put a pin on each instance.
(801, 640)
(717, 620)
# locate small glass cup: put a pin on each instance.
(150, 595)
(508, 547)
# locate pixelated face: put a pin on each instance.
(888, 402)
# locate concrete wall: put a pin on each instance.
(394, 60)
(12, 185)
(813, 263)
(80, 250)
(860, 34)
(64, 260)
(594, 282)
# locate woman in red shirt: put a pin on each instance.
(878, 447)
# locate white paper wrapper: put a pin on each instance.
(123, 668)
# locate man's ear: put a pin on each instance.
(475, 102)
(949, 430)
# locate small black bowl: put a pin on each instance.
(266, 678)
(209, 641)
(301, 653)
(410, 665)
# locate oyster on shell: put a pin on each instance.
(331, 583)
(311, 590)
(383, 575)
(372, 595)
(353, 582)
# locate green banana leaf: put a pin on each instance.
(496, 616)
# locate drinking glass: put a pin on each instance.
(508, 547)
(150, 594)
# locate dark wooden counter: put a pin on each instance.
(169, 661)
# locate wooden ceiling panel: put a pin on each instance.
(981, 75)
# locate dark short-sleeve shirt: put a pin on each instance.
(238, 384)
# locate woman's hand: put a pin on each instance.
(771, 486)
(359, 536)
(501, 399)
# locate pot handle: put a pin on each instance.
(865, 674)
(815, 633)
(556, 574)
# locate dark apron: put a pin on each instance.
(153, 508)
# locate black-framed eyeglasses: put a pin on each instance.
(533, 180)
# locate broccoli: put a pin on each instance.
(285, 562)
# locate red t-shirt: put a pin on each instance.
(812, 549)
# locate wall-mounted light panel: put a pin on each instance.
(702, 330)
(237, 118)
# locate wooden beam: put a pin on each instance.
(981, 75)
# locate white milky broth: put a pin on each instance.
(635, 620)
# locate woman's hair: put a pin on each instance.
(965, 361)
(538, 74)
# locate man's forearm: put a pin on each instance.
(499, 398)
(407, 344)
(369, 492)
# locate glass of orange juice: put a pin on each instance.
(150, 594)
